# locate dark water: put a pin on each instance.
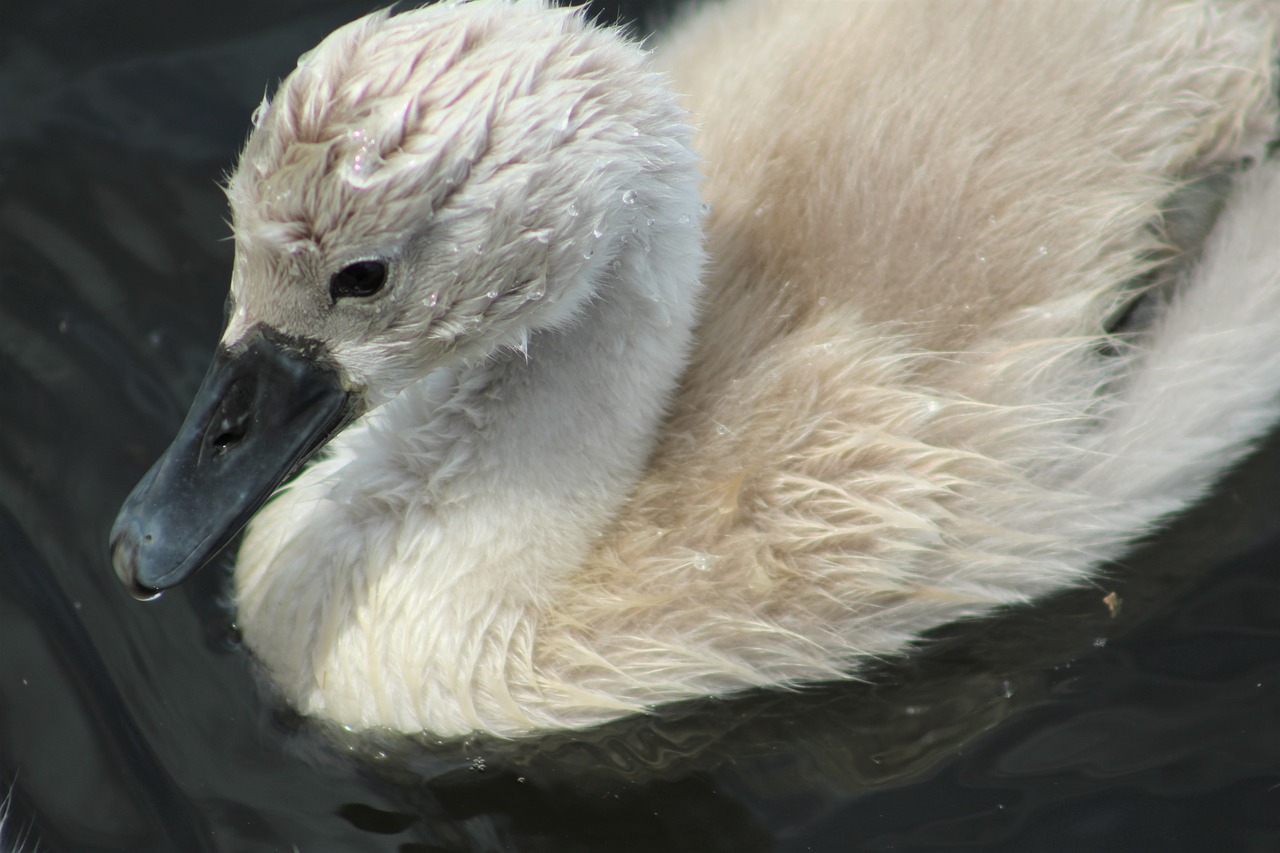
(126, 726)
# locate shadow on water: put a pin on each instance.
(131, 727)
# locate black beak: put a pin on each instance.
(264, 407)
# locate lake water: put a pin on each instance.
(132, 727)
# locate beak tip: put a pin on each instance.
(142, 593)
(127, 543)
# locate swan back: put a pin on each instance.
(924, 221)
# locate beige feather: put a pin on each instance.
(904, 404)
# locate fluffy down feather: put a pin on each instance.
(905, 401)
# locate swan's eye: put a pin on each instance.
(363, 278)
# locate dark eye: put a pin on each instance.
(363, 278)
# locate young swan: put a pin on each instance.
(480, 224)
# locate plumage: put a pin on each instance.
(953, 345)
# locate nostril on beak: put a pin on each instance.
(230, 434)
(234, 416)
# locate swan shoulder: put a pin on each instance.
(894, 415)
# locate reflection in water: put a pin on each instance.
(131, 727)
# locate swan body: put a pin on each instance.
(951, 349)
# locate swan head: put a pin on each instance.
(435, 185)
(424, 190)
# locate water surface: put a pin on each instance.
(142, 727)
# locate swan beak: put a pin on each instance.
(264, 407)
